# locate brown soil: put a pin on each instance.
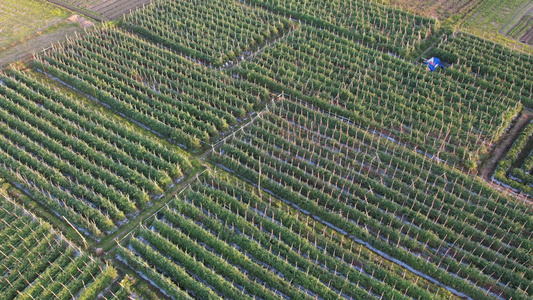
(503, 145)
(84, 23)
(24, 51)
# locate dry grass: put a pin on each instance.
(20, 19)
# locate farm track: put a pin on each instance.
(110, 241)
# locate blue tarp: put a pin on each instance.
(434, 63)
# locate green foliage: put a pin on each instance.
(38, 262)
(442, 113)
(215, 31)
(82, 165)
(361, 182)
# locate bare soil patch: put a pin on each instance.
(83, 22)
(114, 9)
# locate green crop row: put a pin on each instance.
(397, 200)
(58, 150)
(38, 263)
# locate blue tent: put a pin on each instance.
(434, 63)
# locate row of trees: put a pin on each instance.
(57, 148)
(449, 117)
(164, 91)
(214, 32)
(38, 263)
(401, 202)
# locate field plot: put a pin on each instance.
(79, 163)
(399, 203)
(20, 19)
(440, 9)
(214, 32)
(493, 65)
(447, 116)
(331, 166)
(516, 168)
(39, 263)
(223, 240)
(523, 29)
(494, 18)
(180, 99)
(376, 26)
(103, 9)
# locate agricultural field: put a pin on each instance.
(441, 9)
(254, 244)
(502, 21)
(447, 115)
(270, 149)
(39, 263)
(80, 164)
(102, 10)
(179, 99)
(375, 26)
(515, 169)
(216, 33)
(494, 66)
(397, 202)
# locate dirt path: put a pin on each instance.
(489, 166)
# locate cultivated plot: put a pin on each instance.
(439, 113)
(497, 19)
(80, 164)
(218, 33)
(39, 263)
(256, 246)
(495, 67)
(402, 204)
(180, 99)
